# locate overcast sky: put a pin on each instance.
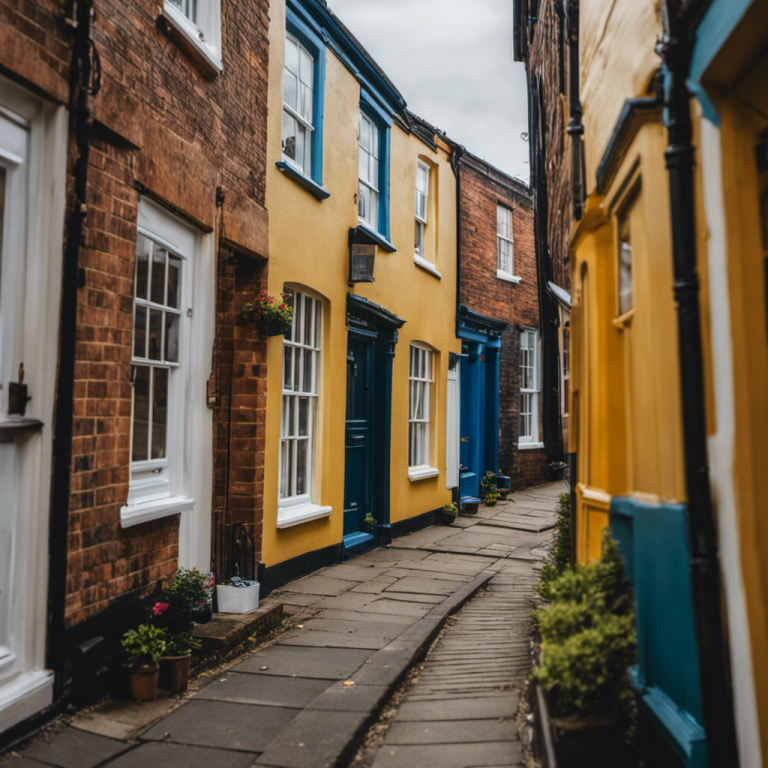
(452, 61)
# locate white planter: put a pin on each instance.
(237, 599)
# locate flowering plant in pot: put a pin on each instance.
(186, 598)
(145, 645)
(238, 595)
(272, 316)
(175, 661)
(489, 493)
(448, 514)
(370, 524)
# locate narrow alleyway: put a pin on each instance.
(307, 700)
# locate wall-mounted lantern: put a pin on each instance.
(361, 260)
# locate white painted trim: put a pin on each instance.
(506, 276)
(721, 449)
(529, 446)
(25, 696)
(422, 473)
(426, 266)
(135, 514)
(209, 51)
(304, 513)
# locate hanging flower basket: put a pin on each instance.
(271, 316)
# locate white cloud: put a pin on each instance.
(452, 61)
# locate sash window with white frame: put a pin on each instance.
(420, 385)
(199, 24)
(301, 371)
(368, 173)
(422, 201)
(529, 388)
(297, 105)
(504, 243)
(566, 366)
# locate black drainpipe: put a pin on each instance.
(82, 85)
(575, 127)
(714, 674)
(456, 155)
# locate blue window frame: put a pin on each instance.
(303, 105)
(373, 185)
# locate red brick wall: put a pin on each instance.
(164, 127)
(482, 189)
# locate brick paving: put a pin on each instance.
(307, 700)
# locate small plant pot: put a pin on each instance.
(271, 327)
(174, 673)
(202, 615)
(469, 508)
(445, 519)
(237, 599)
(491, 502)
(144, 683)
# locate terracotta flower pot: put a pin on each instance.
(144, 682)
(174, 673)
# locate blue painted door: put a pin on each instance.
(358, 437)
(472, 413)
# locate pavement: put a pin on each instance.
(307, 700)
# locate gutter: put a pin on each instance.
(717, 705)
(84, 82)
(456, 155)
(575, 127)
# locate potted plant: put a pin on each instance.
(238, 596)
(447, 514)
(145, 645)
(186, 598)
(489, 493)
(271, 316)
(370, 524)
(175, 661)
(557, 470)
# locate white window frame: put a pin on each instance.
(300, 345)
(371, 185)
(203, 33)
(505, 268)
(161, 487)
(529, 393)
(421, 365)
(305, 166)
(566, 366)
(421, 212)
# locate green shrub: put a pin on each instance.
(588, 637)
(180, 644)
(189, 589)
(146, 644)
(488, 490)
(560, 555)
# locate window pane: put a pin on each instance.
(290, 91)
(291, 55)
(174, 275)
(139, 450)
(308, 316)
(289, 136)
(287, 361)
(304, 416)
(172, 337)
(301, 466)
(373, 171)
(365, 139)
(298, 318)
(362, 169)
(625, 277)
(159, 413)
(419, 239)
(158, 275)
(143, 250)
(301, 137)
(306, 67)
(155, 334)
(140, 332)
(284, 449)
(308, 371)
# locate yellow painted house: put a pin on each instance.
(669, 352)
(362, 202)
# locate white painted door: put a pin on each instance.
(452, 427)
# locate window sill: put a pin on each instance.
(189, 39)
(422, 473)
(287, 517)
(427, 267)
(314, 189)
(136, 514)
(380, 240)
(529, 446)
(506, 276)
(625, 320)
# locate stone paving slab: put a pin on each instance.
(242, 727)
(74, 748)
(164, 755)
(376, 628)
(321, 585)
(424, 586)
(269, 691)
(295, 661)
(308, 638)
(451, 731)
(351, 698)
(448, 755)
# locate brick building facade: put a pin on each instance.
(503, 287)
(162, 122)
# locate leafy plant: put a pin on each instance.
(450, 510)
(268, 309)
(181, 644)
(489, 493)
(189, 589)
(369, 523)
(145, 643)
(560, 555)
(588, 637)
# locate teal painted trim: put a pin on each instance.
(492, 372)
(713, 31)
(470, 334)
(309, 36)
(378, 238)
(356, 541)
(383, 123)
(314, 189)
(375, 108)
(687, 736)
(383, 365)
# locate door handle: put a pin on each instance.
(465, 439)
(357, 437)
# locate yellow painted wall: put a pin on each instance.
(308, 246)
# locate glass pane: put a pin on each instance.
(172, 322)
(373, 214)
(289, 136)
(308, 315)
(292, 417)
(308, 356)
(140, 436)
(317, 340)
(291, 55)
(159, 413)
(365, 140)
(155, 334)
(157, 289)
(301, 466)
(140, 332)
(362, 165)
(304, 416)
(290, 447)
(298, 317)
(298, 365)
(374, 140)
(373, 171)
(143, 250)
(305, 107)
(287, 360)
(306, 67)
(283, 469)
(301, 146)
(290, 91)
(625, 278)
(174, 282)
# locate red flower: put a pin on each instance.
(270, 300)
(282, 306)
(160, 608)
